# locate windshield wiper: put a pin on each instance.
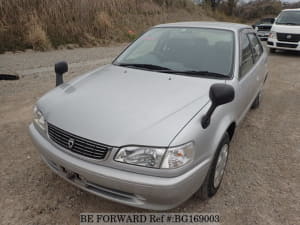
(196, 73)
(162, 69)
(143, 66)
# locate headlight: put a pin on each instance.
(272, 34)
(156, 157)
(141, 156)
(178, 156)
(39, 119)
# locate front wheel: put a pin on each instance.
(215, 175)
(272, 50)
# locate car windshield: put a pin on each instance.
(266, 21)
(186, 51)
(289, 18)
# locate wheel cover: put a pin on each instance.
(220, 166)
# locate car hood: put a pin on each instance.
(286, 28)
(121, 106)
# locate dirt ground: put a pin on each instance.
(262, 181)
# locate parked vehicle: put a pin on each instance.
(154, 127)
(263, 28)
(285, 33)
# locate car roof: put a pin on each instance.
(216, 25)
(297, 9)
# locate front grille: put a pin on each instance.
(76, 144)
(286, 45)
(288, 37)
(264, 28)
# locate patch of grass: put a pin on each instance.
(36, 36)
(45, 24)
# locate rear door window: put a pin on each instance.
(246, 55)
(256, 46)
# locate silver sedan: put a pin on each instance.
(153, 128)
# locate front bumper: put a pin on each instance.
(263, 36)
(143, 191)
(274, 43)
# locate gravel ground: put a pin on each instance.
(261, 185)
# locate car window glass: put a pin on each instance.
(147, 43)
(183, 49)
(257, 49)
(246, 55)
(266, 21)
(289, 18)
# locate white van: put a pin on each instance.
(285, 32)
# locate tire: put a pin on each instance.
(210, 185)
(256, 102)
(272, 50)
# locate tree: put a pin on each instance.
(231, 6)
(212, 3)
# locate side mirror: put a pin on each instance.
(219, 94)
(60, 69)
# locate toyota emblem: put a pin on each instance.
(288, 36)
(71, 143)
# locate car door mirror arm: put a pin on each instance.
(219, 94)
(60, 68)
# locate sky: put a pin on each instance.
(289, 1)
(292, 1)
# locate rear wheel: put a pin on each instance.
(215, 175)
(256, 102)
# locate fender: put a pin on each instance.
(206, 140)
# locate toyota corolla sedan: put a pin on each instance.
(153, 128)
